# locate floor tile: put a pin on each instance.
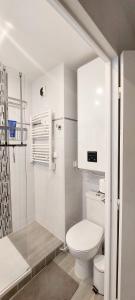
(84, 291)
(34, 242)
(52, 283)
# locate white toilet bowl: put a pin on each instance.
(83, 241)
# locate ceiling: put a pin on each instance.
(129, 8)
(34, 38)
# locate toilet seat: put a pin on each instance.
(84, 236)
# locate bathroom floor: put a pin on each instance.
(52, 283)
(74, 289)
(84, 291)
(35, 243)
(38, 247)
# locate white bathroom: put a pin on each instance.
(53, 157)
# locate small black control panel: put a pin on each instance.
(92, 156)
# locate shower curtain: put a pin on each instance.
(5, 193)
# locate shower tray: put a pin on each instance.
(13, 267)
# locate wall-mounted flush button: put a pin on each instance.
(92, 156)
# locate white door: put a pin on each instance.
(126, 283)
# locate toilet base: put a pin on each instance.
(83, 269)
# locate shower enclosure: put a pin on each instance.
(13, 136)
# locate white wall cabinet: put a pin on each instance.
(91, 116)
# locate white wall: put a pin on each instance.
(49, 189)
(73, 176)
(57, 195)
(22, 195)
(70, 93)
(49, 185)
(54, 82)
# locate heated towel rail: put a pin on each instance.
(41, 138)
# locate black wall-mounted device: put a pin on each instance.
(92, 156)
(43, 91)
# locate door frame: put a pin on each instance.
(109, 56)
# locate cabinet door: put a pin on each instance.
(127, 179)
(91, 116)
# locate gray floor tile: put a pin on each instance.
(34, 242)
(52, 283)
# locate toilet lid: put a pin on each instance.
(84, 236)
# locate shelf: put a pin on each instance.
(12, 141)
(6, 128)
(13, 145)
(11, 136)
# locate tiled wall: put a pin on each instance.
(5, 195)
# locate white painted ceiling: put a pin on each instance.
(34, 38)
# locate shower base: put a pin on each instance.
(38, 247)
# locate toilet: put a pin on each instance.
(85, 238)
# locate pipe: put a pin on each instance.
(21, 108)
